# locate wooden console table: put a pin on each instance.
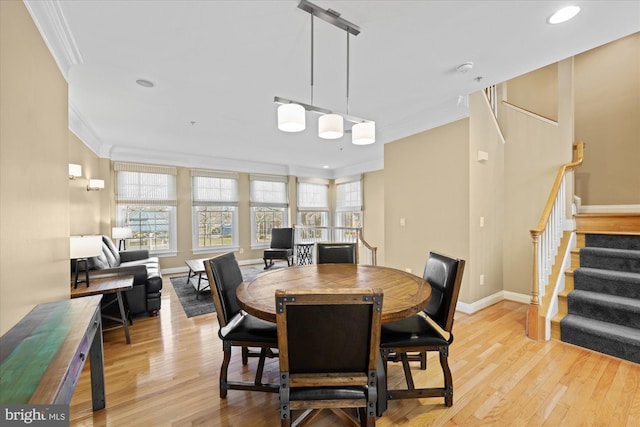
(109, 285)
(42, 356)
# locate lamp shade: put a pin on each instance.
(75, 171)
(121, 233)
(291, 118)
(363, 133)
(95, 184)
(85, 246)
(330, 126)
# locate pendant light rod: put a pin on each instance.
(312, 59)
(330, 16)
(347, 72)
(320, 110)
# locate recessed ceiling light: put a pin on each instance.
(463, 68)
(326, 167)
(145, 83)
(563, 14)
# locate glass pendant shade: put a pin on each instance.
(291, 118)
(363, 133)
(330, 126)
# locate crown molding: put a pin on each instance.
(53, 27)
(85, 133)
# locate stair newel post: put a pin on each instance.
(532, 329)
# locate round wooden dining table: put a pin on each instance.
(404, 293)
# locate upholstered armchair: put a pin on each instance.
(281, 247)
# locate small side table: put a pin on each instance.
(304, 253)
(109, 285)
(196, 267)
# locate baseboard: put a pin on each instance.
(490, 300)
(609, 208)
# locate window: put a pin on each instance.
(313, 207)
(349, 204)
(215, 205)
(269, 204)
(146, 202)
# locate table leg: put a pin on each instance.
(123, 315)
(96, 362)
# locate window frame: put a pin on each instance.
(347, 204)
(228, 202)
(261, 200)
(140, 190)
(319, 207)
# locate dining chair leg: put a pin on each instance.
(407, 371)
(448, 379)
(245, 355)
(260, 369)
(226, 347)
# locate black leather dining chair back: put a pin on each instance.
(441, 273)
(336, 253)
(314, 329)
(227, 276)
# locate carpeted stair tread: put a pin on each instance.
(604, 337)
(610, 259)
(613, 241)
(608, 308)
(612, 282)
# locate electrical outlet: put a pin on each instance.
(241, 250)
(481, 279)
(402, 222)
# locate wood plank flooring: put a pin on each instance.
(168, 376)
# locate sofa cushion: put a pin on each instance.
(110, 250)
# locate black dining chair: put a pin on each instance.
(281, 247)
(237, 328)
(337, 253)
(314, 329)
(418, 333)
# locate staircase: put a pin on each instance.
(599, 308)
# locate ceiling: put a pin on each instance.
(217, 66)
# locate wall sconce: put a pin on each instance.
(95, 184)
(75, 171)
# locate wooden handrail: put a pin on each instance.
(546, 213)
(542, 242)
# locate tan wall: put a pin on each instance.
(85, 207)
(34, 183)
(607, 86)
(534, 151)
(486, 200)
(373, 202)
(426, 182)
(536, 91)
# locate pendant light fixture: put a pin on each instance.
(291, 118)
(291, 114)
(330, 126)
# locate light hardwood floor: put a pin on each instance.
(168, 376)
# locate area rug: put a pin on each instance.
(196, 305)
